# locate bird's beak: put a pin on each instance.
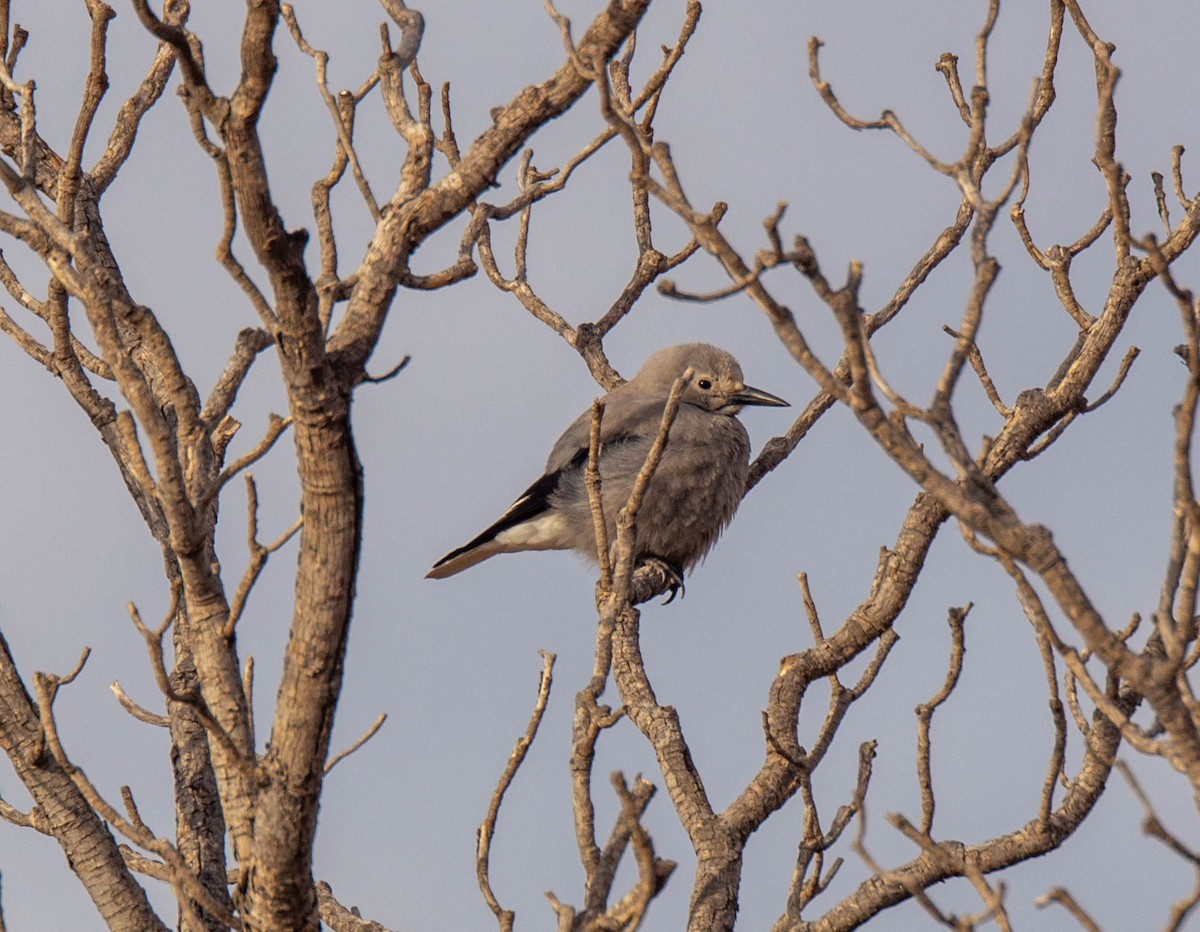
(756, 396)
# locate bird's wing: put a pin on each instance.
(570, 455)
(626, 418)
(531, 503)
(530, 523)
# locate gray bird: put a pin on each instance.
(689, 501)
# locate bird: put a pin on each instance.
(688, 502)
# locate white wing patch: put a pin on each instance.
(545, 532)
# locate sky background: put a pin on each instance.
(449, 443)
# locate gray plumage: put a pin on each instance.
(688, 502)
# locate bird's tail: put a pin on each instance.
(464, 558)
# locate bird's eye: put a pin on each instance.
(705, 384)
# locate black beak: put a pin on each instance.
(756, 396)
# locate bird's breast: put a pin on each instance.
(695, 491)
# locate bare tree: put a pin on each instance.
(241, 852)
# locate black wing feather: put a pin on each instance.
(534, 501)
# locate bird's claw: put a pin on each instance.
(673, 573)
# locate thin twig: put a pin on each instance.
(627, 517)
(591, 479)
(259, 554)
(1063, 898)
(358, 743)
(141, 714)
(956, 619)
(483, 836)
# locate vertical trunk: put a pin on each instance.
(281, 894)
(714, 903)
(199, 820)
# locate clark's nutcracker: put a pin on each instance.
(689, 501)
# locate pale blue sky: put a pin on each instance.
(448, 444)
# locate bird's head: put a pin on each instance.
(716, 383)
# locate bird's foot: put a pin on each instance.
(671, 572)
